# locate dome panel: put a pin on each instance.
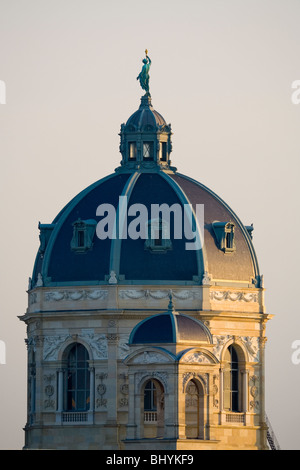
(189, 329)
(60, 263)
(156, 329)
(174, 264)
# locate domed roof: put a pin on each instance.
(73, 253)
(169, 327)
(145, 116)
(128, 258)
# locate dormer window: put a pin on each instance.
(229, 241)
(148, 150)
(224, 233)
(83, 234)
(158, 239)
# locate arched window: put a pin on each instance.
(78, 379)
(194, 410)
(153, 409)
(232, 380)
(150, 397)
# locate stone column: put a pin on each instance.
(171, 408)
(221, 396)
(245, 390)
(131, 426)
(111, 431)
(181, 406)
(245, 404)
(92, 395)
(39, 384)
(263, 425)
(60, 395)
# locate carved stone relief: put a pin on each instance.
(159, 375)
(101, 402)
(124, 389)
(90, 294)
(123, 347)
(251, 343)
(254, 403)
(136, 294)
(149, 357)
(220, 296)
(49, 402)
(97, 343)
(196, 357)
(194, 375)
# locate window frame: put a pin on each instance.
(74, 371)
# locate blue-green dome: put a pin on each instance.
(59, 264)
(71, 252)
(169, 327)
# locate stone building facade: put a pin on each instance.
(141, 343)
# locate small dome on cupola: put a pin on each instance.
(169, 327)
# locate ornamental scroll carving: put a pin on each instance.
(124, 389)
(220, 296)
(196, 357)
(49, 402)
(193, 375)
(123, 347)
(73, 295)
(254, 403)
(97, 343)
(141, 376)
(136, 294)
(101, 402)
(251, 344)
(149, 357)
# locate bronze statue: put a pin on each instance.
(144, 75)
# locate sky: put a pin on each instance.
(221, 74)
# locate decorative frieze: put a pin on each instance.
(221, 296)
(73, 295)
(137, 294)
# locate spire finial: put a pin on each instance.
(143, 77)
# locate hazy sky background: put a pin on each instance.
(221, 74)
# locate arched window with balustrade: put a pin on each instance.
(77, 385)
(153, 409)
